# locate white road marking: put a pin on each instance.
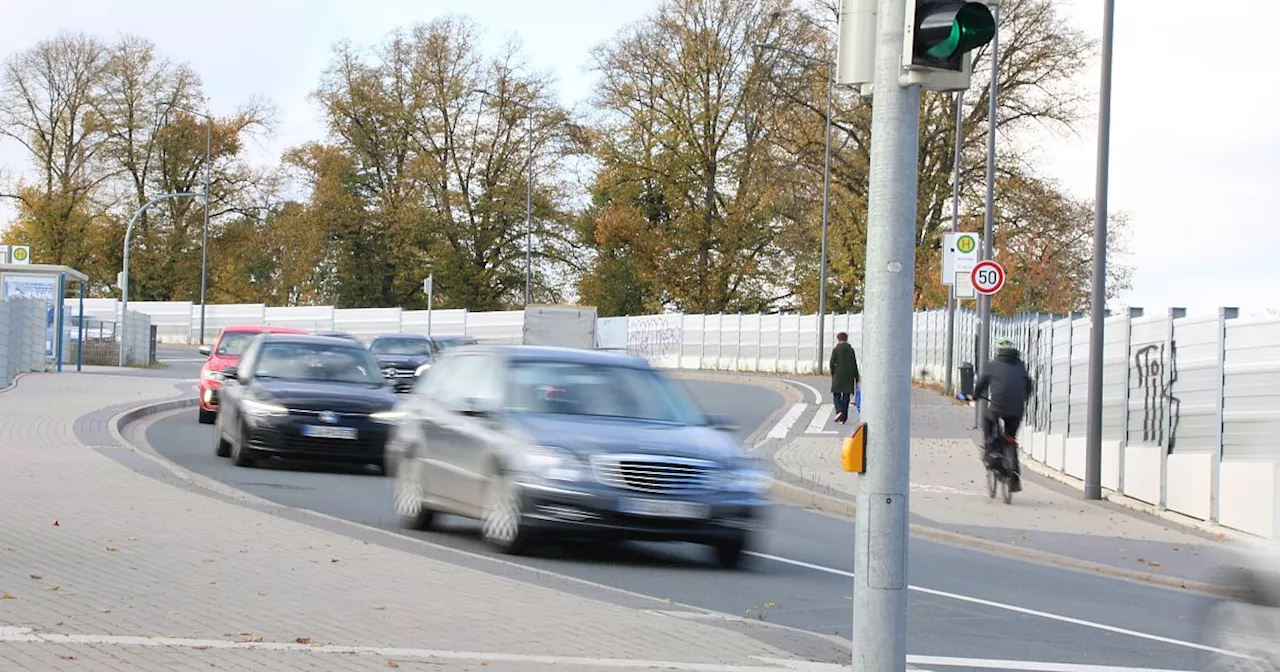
(788, 421)
(16, 634)
(817, 396)
(1025, 665)
(820, 418)
(1016, 609)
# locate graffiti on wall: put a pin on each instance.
(653, 337)
(1039, 356)
(1155, 370)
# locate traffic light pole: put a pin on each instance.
(988, 224)
(881, 531)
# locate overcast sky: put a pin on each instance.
(1195, 143)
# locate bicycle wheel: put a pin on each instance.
(991, 483)
(1005, 492)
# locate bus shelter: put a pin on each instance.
(50, 284)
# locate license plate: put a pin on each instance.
(661, 508)
(323, 432)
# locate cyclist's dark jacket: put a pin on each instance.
(1010, 386)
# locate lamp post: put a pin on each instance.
(826, 203)
(124, 275)
(528, 197)
(204, 245)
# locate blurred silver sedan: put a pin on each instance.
(1250, 625)
(540, 442)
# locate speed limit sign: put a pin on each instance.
(987, 277)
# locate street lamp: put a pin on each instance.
(826, 203)
(204, 245)
(124, 275)
(528, 198)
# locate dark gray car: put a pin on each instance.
(541, 442)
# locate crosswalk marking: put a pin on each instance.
(783, 428)
(820, 417)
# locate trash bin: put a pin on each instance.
(966, 379)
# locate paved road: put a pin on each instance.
(965, 604)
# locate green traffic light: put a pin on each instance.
(972, 27)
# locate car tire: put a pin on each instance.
(501, 523)
(730, 553)
(241, 455)
(208, 417)
(410, 496)
(221, 446)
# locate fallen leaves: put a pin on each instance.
(7, 596)
(55, 523)
(303, 640)
(36, 577)
(112, 548)
(392, 663)
(254, 638)
(66, 656)
(333, 559)
(200, 647)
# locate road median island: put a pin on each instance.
(107, 559)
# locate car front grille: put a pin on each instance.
(391, 373)
(653, 473)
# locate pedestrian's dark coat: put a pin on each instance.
(844, 369)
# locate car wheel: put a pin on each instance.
(501, 524)
(241, 455)
(221, 446)
(208, 417)
(731, 552)
(411, 491)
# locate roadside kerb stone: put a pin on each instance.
(131, 555)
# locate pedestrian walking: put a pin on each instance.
(844, 375)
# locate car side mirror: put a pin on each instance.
(206, 350)
(723, 423)
(231, 373)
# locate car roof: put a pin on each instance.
(419, 337)
(310, 339)
(261, 329)
(547, 353)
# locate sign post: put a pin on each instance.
(987, 277)
(428, 286)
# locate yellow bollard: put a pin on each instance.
(853, 456)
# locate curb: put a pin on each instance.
(118, 423)
(14, 382)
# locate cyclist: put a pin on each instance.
(1007, 386)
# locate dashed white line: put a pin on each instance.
(1016, 609)
(783, 428)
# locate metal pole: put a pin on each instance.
(826, 208)
(955, 226)
(1098, 281)
(124, 277)
(80, 349)
(988, 224)
(528, 221)
(431, 290)
(204, 245)
(881, 533)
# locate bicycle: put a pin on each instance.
(1000, 473)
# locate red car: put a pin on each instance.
(226, 352)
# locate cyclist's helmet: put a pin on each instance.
(1004, 344)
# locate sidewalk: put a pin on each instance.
(1047, 520)
(104, 568)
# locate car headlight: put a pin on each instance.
(555, 464)
(387, 416)
(212, 375)
(422, 369)
(750, 479)
(262, 408)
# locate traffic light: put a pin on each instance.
(940, 37)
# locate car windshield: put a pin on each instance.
(233, 343)
(317, 362)
(401, 346)
(597, 390)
